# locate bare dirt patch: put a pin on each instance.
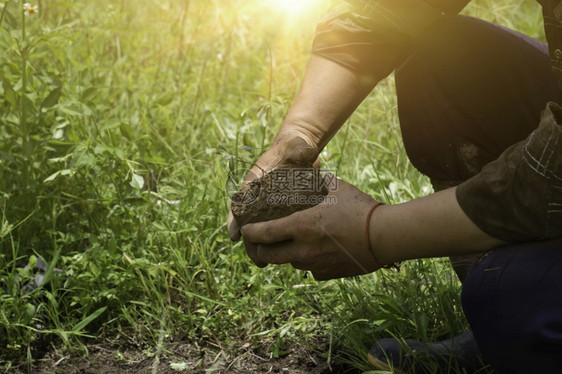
(190, 358)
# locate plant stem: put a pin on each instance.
(23, 113)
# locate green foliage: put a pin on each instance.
(122, 128)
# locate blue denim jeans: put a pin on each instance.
(513, 301)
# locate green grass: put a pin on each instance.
(120, 125)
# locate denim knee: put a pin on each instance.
(513, 302)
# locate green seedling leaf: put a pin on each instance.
(32, 261)
(89, 93)
(58, 134)
(9, 94)
(63, 172)
(6, 228)
(127, 130)
(29, 312)
(86, 321)
(137, 182)
(165, 99)
(52, 98)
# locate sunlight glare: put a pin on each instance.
(293, 7)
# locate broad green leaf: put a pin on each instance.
(137, 182)
(89, 93)
(127, 130)
(52, 98)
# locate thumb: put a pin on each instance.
(233, 227)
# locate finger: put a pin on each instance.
(331, 182)
(270, 232)
(278, 253)
(233, 227)
(300, 265)
(252, 174)
(322, 276)
(317, 164)
(252, 251)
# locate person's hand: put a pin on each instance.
(290, 150)
(328, 239)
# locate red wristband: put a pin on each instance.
(369, 247)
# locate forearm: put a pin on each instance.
(328, 95)
(368, 45)
(432, 226)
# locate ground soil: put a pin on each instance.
(279, 193)
(189, 358)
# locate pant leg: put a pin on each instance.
(469, 90)
(513, 301)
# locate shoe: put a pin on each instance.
(39, 270)
(452, 355)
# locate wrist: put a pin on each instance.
(292, 128)
(376, 263)
(376, 236)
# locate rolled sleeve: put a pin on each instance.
(518, 197)
(373, 37)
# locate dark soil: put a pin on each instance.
(189, 358)
(279, 193)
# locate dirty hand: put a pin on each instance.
(328, 239)
(289, 150)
